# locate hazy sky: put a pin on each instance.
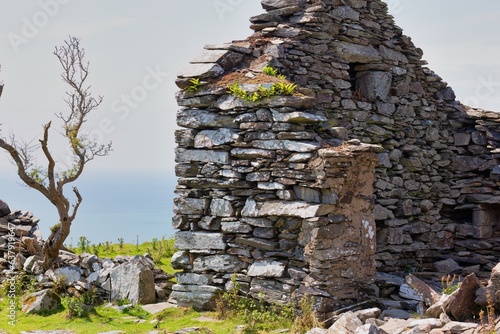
(136, 48)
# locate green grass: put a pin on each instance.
(134, 320)
(160, 249)
(104, 319)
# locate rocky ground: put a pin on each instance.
(404, 303)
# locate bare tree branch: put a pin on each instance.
(46, 179)
(1, 84)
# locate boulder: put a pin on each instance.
(367, 329)
(34, 264)
(132, 281)
(428, 294)
(462, 302)
(70, 274)
(347, 323)
(198, 296)
(41, 301)
(490, 293)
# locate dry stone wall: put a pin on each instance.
(279, 191)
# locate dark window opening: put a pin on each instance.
(352, 75)
(461, 216)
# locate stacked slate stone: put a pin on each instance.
(19, 230)
(436, 189)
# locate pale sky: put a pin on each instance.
(127, 41)
(136, 48)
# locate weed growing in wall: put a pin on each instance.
(195, 84)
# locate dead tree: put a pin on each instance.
(49, 179)
(1, 86)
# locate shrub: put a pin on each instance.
(76, 308)
(83, 244)
(258, 315)
(307, 318)
(449, 284)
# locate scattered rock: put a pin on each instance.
(133, 281)
(41, 301)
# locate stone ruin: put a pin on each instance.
(372, 165)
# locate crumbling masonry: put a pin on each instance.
(371, 165)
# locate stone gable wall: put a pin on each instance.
(269, 189)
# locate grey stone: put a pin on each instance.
(446, 94)
(446, 266)
(70, 274)
(181, 260)
(354, 53)
(190, 206)
(42, 301)
(258, 222)
(461, 139)
(407, 292)
(382, 213)
(367, 329)
(368, 313)
(277, 4)
(183, 155)
(264, 233)
(208, 70)
(346, 12)
(188, 240)
(34, 264)
(235, 227)
(266, 268)
(252, 153)
(395, 313)
(307, 194)
(297, 117)
(198, 296)
(218, 263)
(459, 327)
(392, 54)
(157, 307)
(286, 208)
(288, 145)
(374, 84)
(347, 323)
(258, 176)
(221, 208)
(212, 138)
(229, 102)
(466, 163)
(210, 56)
(257, 243)
(200, 119)
(317, 330)
(132, 281)
(193, 279)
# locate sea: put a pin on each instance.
(134, 206)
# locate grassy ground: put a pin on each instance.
(160, 249)
(103, 318)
